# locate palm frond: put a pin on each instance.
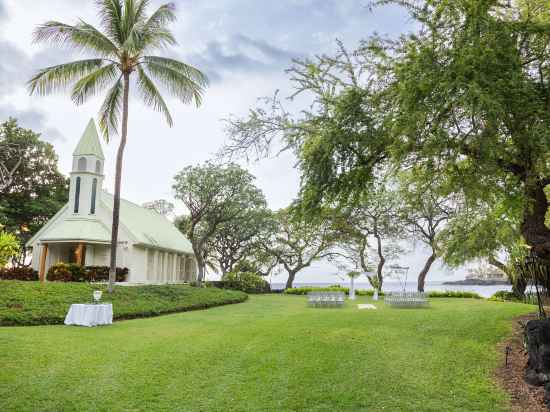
(59, 77)
(109, 114)
(151, 33)
(177, 83)
(134, 19)
(110, 14)
(151, 95)
(189, 71)
(82, 36)
(163, 15)
(94, 82)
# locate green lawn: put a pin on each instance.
(36, 303)
(270, 353)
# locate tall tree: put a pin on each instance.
(468, 92)
(424, 211)
(36, 191)
(297, 243)
(214, 195)
(372, 218)
(122, 51)
(238, 239)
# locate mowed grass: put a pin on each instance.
(36, 303)
(270, 353)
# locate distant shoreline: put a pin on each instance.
(477, 282)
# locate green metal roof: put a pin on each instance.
(148, 227)
(89, 144)
(78, 229)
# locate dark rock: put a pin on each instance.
(537, 334)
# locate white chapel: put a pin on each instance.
(149, 245)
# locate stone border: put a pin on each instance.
(523, 397)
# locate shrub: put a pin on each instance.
(101, 273)
(70, 272)
(24, 273)
(454, 294)
(248, 282)
(304, 290)
(66, 272)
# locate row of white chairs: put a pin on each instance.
(326, 299)
(406, 299)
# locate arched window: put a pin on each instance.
(98, 166)
(77, 194)
(94, 189)
(82, 164)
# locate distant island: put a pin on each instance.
(478, 282)
(482, 276)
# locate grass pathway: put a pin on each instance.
(271, 353)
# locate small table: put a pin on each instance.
(90, 315)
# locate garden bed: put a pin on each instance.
(35, 303)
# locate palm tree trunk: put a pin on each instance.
(118, 178)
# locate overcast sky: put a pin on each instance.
(243, 45)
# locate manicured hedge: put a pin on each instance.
(70, 272)
(304, 290)
(248, 282)
(18, 274)
(36, 303)
(362, 292)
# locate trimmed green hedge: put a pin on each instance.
(304, 290)
(362, 292)
(35, 303)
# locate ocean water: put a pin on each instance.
(392, 286)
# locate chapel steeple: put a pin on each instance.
(87, 173)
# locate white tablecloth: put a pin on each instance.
(90, 315)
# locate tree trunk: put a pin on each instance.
(424, 272)
(118, 178)
(381, 262)
(533, 227)
(290, 280)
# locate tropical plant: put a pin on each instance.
(122, 50)
(9, 247)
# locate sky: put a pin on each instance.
(244, 46)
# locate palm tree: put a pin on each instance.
(123, 52)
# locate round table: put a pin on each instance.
(90, 314)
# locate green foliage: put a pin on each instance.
(38, 190)
(304, 290)
(248, 282)
(18, 273)
(454, 294)
(217, 197)
(71, 272)
(34, 303)
(505, 296)
(9, 247)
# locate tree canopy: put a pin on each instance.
(37, 189)
(215, 195)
